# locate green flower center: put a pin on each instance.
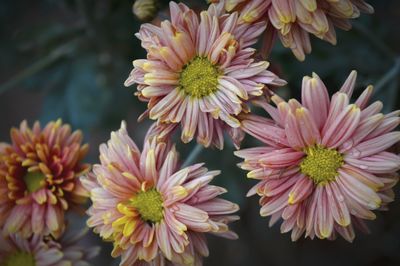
(19, 259)
(149, 204)
(321, 164)
(34, 181)
(199, 77)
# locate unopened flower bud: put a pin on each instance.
(145, 10)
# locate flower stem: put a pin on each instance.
(392, 73)
(193, 155)
(38, 66)
(374, 41)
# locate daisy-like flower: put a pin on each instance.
(39, 181)
(295, 20)
(152, 211)
(39, 250)
(326, 164)
(200, 71)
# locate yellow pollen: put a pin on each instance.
(250, 16)
(34, 181)
(199, 77)
(18, 259)
(149, 204)
(321, 164)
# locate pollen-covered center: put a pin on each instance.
(19, 259)
(34, 181)
(321, 164)
(149, 204)
(199, 77)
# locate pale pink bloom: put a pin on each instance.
(294, 20)
(200, 72)
(39, 180)
(39, 250)
(326, 164)
(151, 210)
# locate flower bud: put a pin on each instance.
(145, 10)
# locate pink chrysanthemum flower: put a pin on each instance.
(39, 250)
(151, 210)
(200, 71)
(39, 180)
(295, 20)
(326, 165)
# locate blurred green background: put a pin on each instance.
(69, 59)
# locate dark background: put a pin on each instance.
(69, 59)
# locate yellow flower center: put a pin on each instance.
(321, 164)
(149, 204)
(199, 77)
(19, 259)
(34, 181)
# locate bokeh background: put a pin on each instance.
(69, 59)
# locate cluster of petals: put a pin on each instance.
(358, 132)
(294, 20)
(39, 250)
(188, 205)
(223, 44)
(39, 181)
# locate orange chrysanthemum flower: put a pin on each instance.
(38, 178)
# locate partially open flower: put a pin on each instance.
(294, 20)
(199, 72)
(152, 211)
(326, 164)
(145, 10)
(39, 250)
(39, 180)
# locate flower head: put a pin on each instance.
(294, 20)
(326, 164)
(151, 210)
(38, 178)
(39, 250)
(199, 72)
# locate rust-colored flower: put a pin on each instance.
(39, 181)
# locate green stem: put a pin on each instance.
(39, 65)
(193, 155)
(391, 74)
(374, 40)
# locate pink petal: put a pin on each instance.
(315, 98)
